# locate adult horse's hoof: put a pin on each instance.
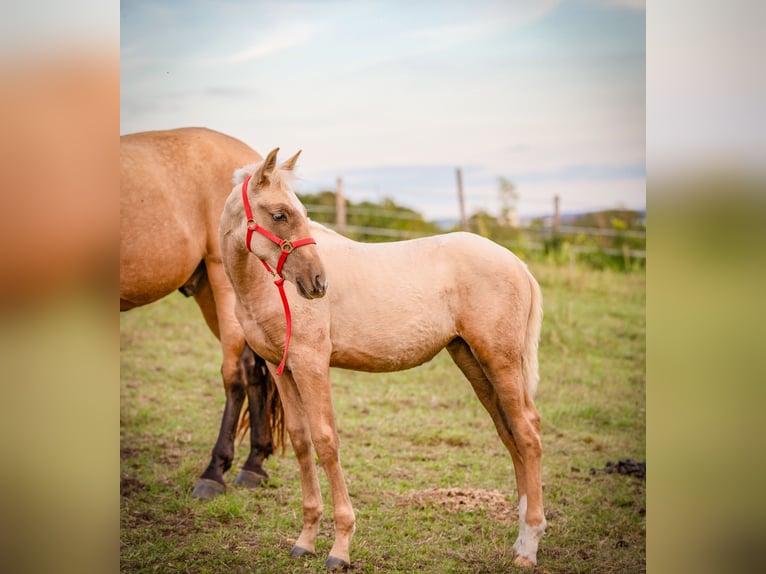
(207, 489)
(298, 552)
(334, 563)
(250, 479)
(525, 562)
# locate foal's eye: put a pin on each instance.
(279, 216)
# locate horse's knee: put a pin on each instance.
(530, 444)
(525, 428)
(327, 445)
(301, 442)
(345, 520)
(534, 418)
(312, 511)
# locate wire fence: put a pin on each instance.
(539, 238)
(611, 237)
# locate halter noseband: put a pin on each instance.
(287, 247)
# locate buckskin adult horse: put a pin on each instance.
(173, 185)
(388, 307)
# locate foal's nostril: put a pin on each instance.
(320, 284)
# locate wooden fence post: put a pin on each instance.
(340, 206)
(463, 219)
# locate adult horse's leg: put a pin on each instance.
(518, 425)
(257, 376)
(312, 387)
(254, 379)
(211, 483)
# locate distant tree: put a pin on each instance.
(492, 227)
(482, 223)
(508, 200)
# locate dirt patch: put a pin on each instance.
(452, 500)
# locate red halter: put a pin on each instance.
(287, 247)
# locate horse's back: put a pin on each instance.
(436, 259)
(173, 185)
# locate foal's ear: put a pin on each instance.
(263, 172)
(290, 163)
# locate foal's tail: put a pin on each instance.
(529, 363)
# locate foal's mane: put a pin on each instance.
(241, 173)
(278, 176)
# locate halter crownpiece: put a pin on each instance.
(286, 248)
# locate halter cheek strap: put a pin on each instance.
(287, 247)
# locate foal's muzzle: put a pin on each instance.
(314, 288)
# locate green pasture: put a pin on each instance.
(430, 481)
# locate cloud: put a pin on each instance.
(438, 37)
(277, 41)
(478, 22)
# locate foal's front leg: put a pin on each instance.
(300, 437)
(314, 386)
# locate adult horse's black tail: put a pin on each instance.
(273, 420)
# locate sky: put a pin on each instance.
(394, 96)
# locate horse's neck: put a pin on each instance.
(245, 271)
(327, 236)
(248, 270)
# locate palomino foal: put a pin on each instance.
(389, 307)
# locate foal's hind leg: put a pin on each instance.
(518, 425)
(464, 359)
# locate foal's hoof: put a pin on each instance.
(525, 562)
(298, 552)
(250, 479)
(334, 563)
(207, 489)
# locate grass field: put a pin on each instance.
(430, 481)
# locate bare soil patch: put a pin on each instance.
(452, 500)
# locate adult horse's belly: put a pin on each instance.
(143, 282)
(151, 269)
